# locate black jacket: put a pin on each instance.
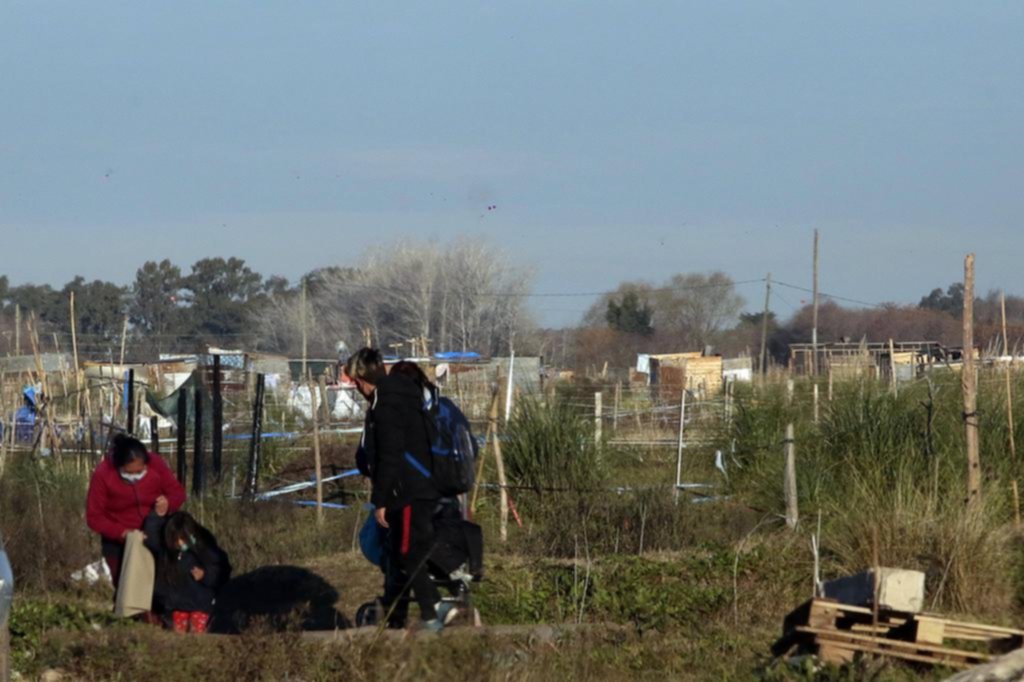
(175, 589)
(396, 445)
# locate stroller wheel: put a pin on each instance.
(369, 614)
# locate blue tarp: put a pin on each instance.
(453, 355)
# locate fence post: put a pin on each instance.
(197, 450)
(252, 477)
(218, 421)
(680, 445)
(130, 425)
(817, 411)
(615, 411)
(792, 512)
(598, 409)
(182, 434)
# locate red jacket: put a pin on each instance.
(115, 505)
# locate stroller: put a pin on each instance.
(456, 561)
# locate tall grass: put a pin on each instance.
(890, 470)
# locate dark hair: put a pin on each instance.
(414, 372)
(182, 525)
(126, 449)
(366, 364)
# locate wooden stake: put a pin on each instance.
(615, 409)
(817, 412)
(17, 329)
(124, 337)
(764, 324)
(680, 444)
(318, 471)
(792, 511)
(597, 417)
(892, 367)
(1010, 428)
(969, 382)
(304, 332)
(74, 350)
(814, 314)
(492, 421)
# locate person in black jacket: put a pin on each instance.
(396, 456)
(190, 569)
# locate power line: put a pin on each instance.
(832, 296)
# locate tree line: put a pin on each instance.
(464, 295)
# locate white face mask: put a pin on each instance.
(133, 478)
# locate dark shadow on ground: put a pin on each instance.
(279, 598)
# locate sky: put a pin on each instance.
(614, 140)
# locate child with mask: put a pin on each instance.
(190, 569)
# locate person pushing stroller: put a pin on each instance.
(396, 446)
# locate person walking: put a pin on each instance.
(396, 452)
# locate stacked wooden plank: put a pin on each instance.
(837, 632)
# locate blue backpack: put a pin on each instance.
(453, 450)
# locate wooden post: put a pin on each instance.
(680, 444)
(197, 448)
(492, 424)
(814, 314)
(792, 512)
(764, 324)
(218, 421)
(817, 411)
(892, 367)
(74, 351)
(598, 409)
(130, 407)
(499, 461)
(154, 434)
(508, 391)
(830, 380)
(318, 471)
(304, 332)
(253, 475)
(790, 388)
(182, 426)
(615, 410)
(1010, 428)
(17, 329)
(124, 337)
(325, 407)
(969, 381)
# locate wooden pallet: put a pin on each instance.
(837, 632)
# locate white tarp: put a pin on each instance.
(342, 402)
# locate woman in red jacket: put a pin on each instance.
(127, 485)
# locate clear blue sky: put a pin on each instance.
(617, 140)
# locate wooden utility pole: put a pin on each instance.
(969, 382)
(764, 323)
(814, 314)
(304, 333)
(1009, 415)
(792, 511)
